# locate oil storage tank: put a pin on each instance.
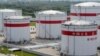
(48, 24)
(7, 12)
(16, 29)
(88, 11)
(85, 11)
(18, 12)
(79, 38)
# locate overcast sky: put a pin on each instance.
(72, 0)
(50, 0)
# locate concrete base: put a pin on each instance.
(48, 38)
(20, 42)
(61, 54)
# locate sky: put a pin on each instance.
(50, 0)
(72, 0)
(83, 0)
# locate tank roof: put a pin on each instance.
(18, 17)
(88, 4)
(51, 12)
(78, 22)
(7, 10)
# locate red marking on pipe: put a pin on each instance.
(50, 22)
(68, 18)
(16, 25)
(79, 33)
(83, 14)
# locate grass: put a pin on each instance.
(23, 53)
(32, 24)
(4, 50)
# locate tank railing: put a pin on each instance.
(68, 43)
(78, 13)
(47, 32)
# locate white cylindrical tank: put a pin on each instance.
(16, 29)
(84, 1)
(85, 11)
(79, 38)
(88, 11)
(18, 12)
(8, 12)
(48, 24)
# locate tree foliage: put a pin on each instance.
(29, 8)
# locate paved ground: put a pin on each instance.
(7, 55)
(50, 51)
(2, 55)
